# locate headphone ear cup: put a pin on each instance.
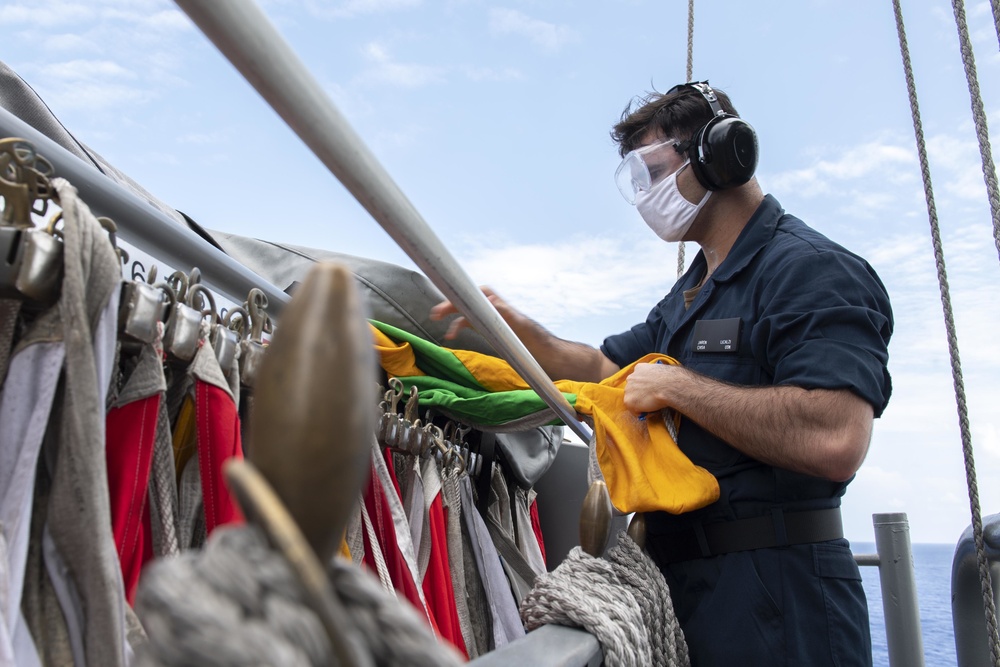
(726, 153)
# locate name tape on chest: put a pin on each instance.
(717, 335)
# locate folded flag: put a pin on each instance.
(644, 469)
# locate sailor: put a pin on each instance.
(782, 337)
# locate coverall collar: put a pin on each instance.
(755, 235)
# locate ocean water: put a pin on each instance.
(932, 566)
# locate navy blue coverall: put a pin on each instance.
(810, 314)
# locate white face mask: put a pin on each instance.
(665, 209)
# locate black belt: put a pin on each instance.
(777, 529)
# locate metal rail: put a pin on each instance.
(144, 226)
(247, 38)
(894, 560)
(548, 646)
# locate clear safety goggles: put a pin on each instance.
(645, 167)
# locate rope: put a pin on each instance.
(622, 599)
(978, 114)
(690, 63)
(236, 602)
(956, 365)
(996, 17)
(690, 74)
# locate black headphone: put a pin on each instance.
(724, 151)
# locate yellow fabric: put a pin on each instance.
(493, 373)
(644, 468)
(642, 465)
(397, 358)
(185, 436)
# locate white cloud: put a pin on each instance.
(83, 70)
(92, 85)
(45, 14)
(489, 74)
(100, 55)
(548, 36)
(385, 70)
(825, 176)
(986, 438)
(335, 10)
(94, 96)
(149, 14)
(67, 43)
(202, 138)
(575, 278)
(169, 19)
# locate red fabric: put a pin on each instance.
(218, 440)
(437, 586)
(381, 517)
(536, 527)
(131, 431)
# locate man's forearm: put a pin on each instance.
(562, 359)
(818, 432)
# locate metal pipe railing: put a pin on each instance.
(144, 226)
(904, 639)
(548, 646)
(247, 38)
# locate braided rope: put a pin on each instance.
(236, 602)
(995, 4)
(622, 600)
(956, 365)
(690, 74)
(979, 114)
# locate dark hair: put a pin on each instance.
(677, 115)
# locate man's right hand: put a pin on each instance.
(446, 308)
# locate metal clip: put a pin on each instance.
(251, 348)
(112, 229)
(24, 182)
(142, 308)
(390, 423)
(225, 340)
(32, 263)
(183, 331)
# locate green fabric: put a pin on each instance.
(450, 386)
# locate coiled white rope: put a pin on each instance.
(621, 599)
(236, 602)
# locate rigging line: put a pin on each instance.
(956, 365)
(690, 74)
(978, 114)
(995, 4)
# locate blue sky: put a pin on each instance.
(493, 118)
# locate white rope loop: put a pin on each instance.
(622, 600)
(236, 602)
